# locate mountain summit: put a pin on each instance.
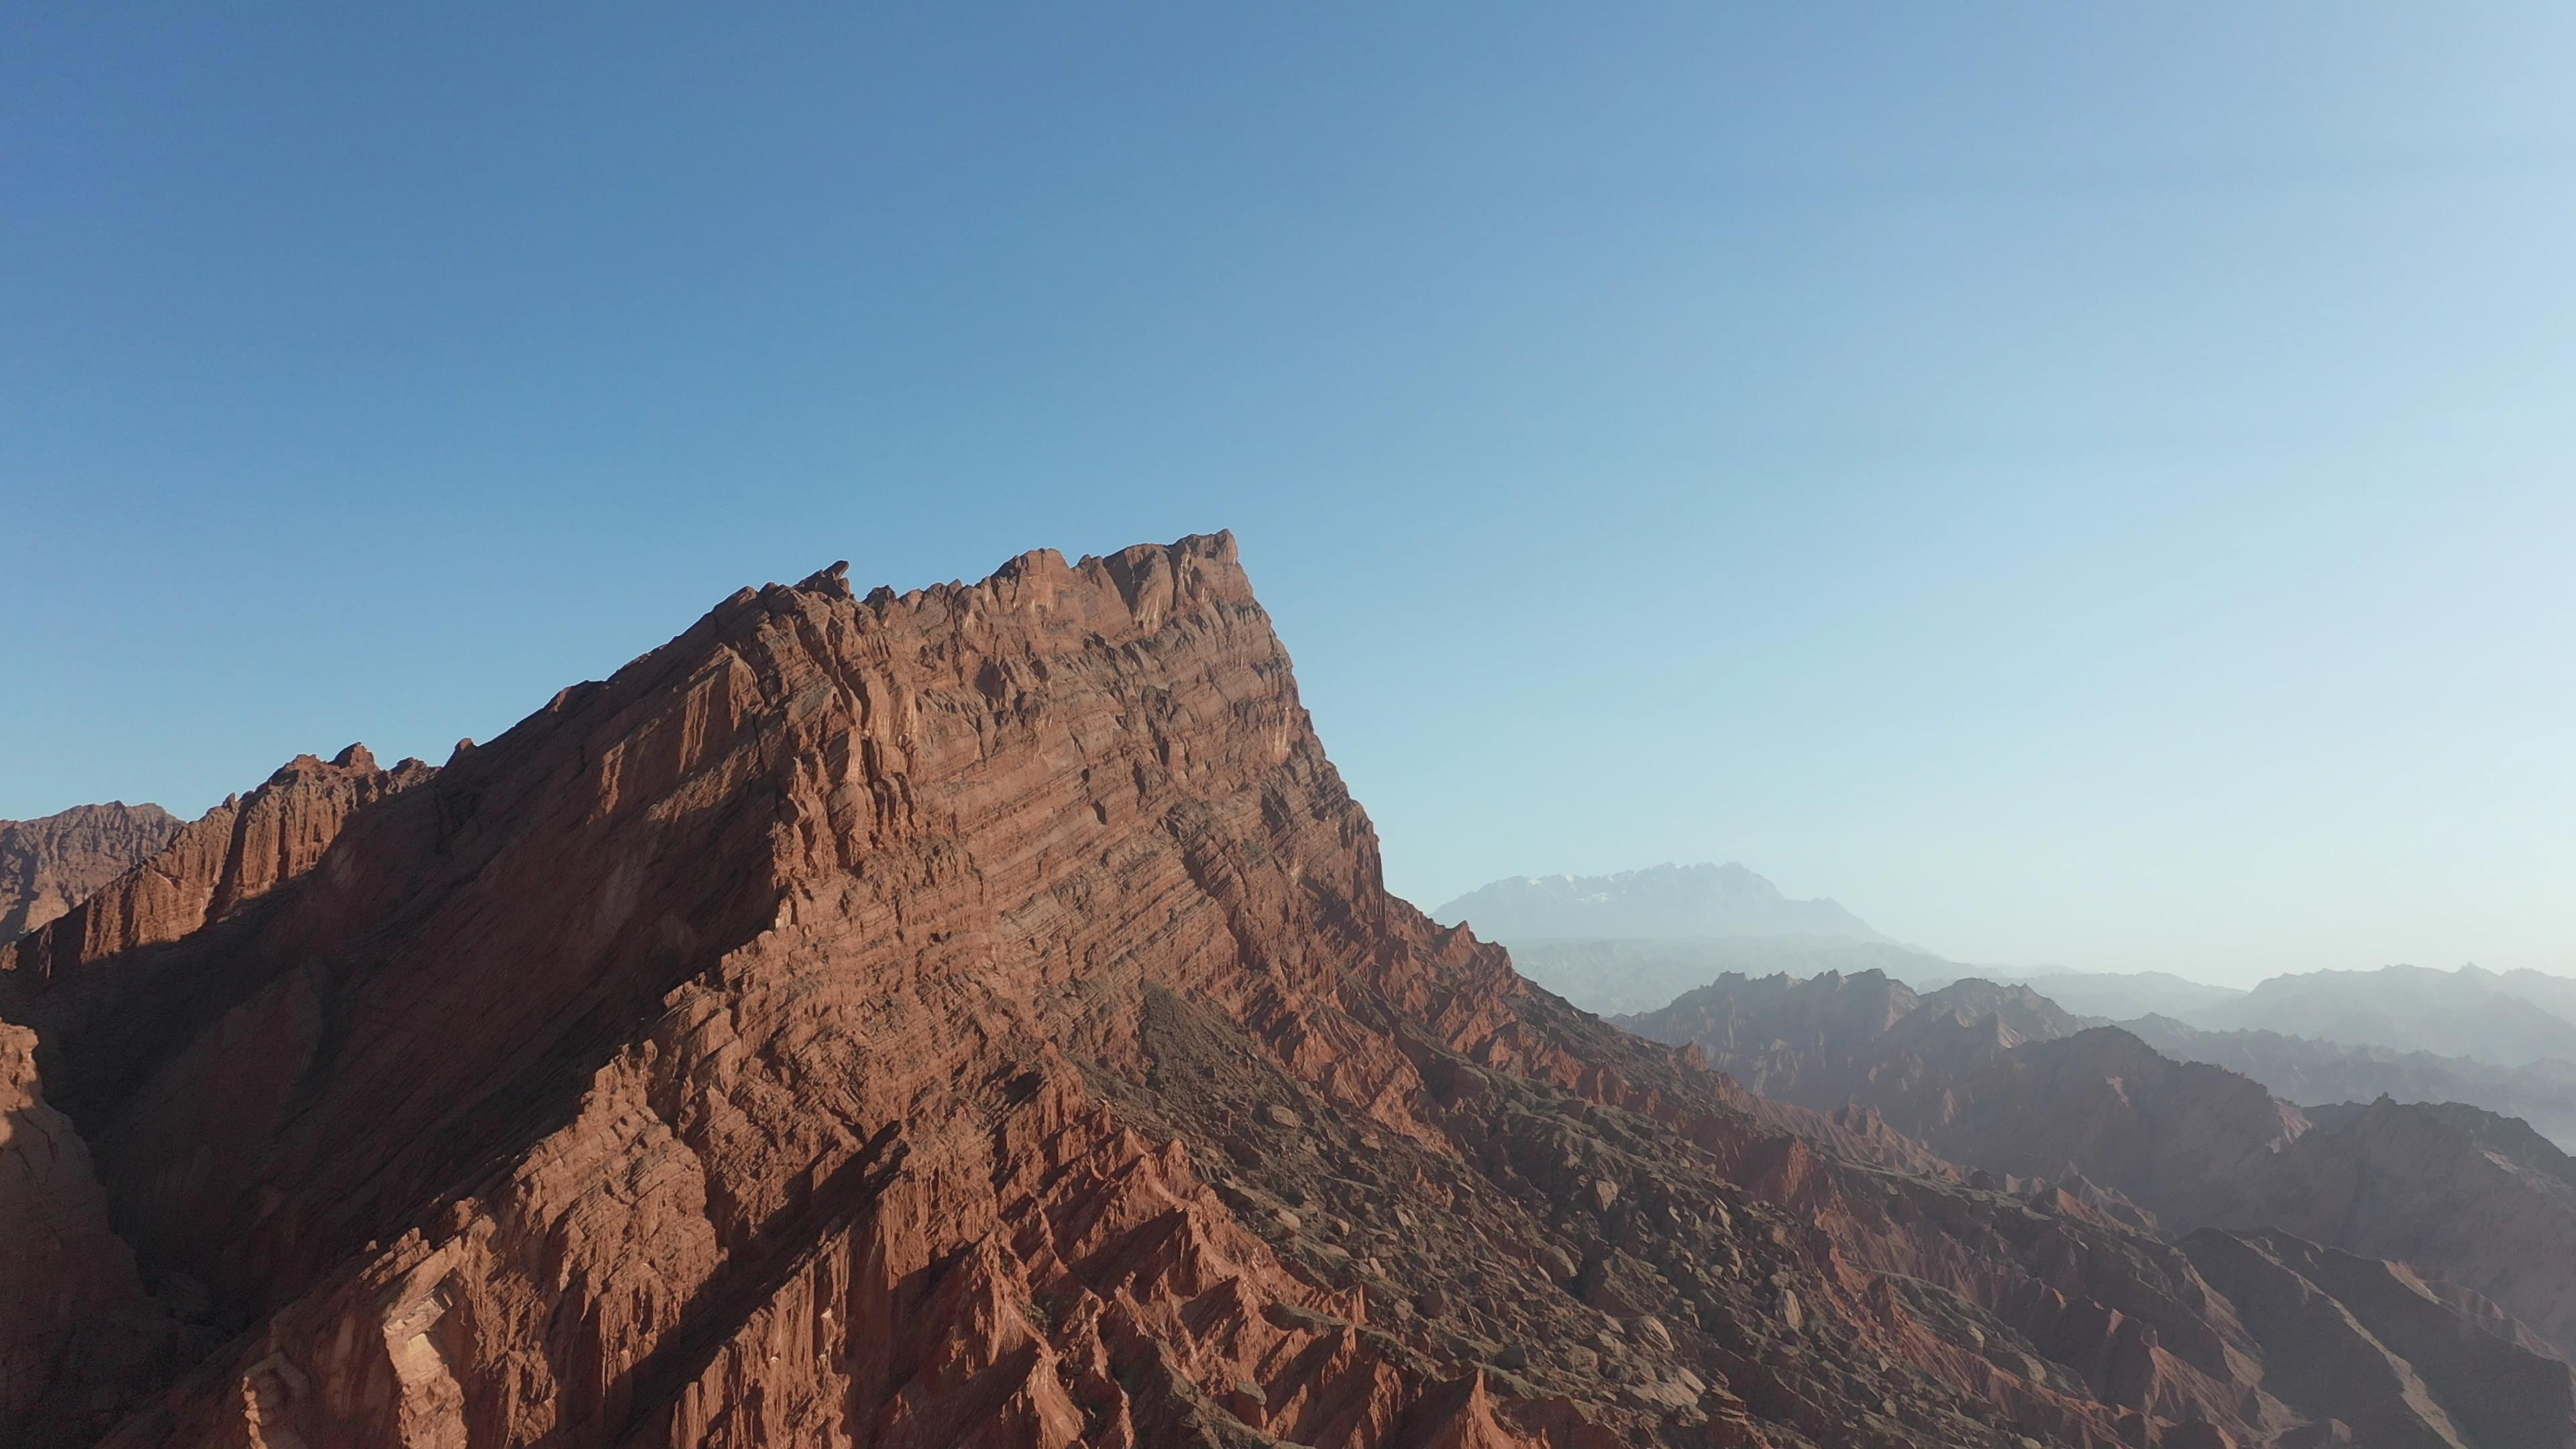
(1661, 903)
(976, 1017)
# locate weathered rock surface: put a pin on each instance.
(47, 865)
(215, 865)
(977, 1017)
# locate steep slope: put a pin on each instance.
(2400, 1358)
(2464, 1013)
(2310, 1072)
(977, 1017)
(2482, 1200)
(1662, 903)
(47, 865)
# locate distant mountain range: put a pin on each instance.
(2091, 1119)
(1662, 903)
(1645, 941)
(2508, 1019)
(2310, 1072)
(1614, 977)
(1633, 941)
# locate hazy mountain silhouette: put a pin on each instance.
(1661, 903)
(2482, 1015)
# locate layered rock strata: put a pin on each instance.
(976, 1016)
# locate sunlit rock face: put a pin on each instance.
(976, 1016)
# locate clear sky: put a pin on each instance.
(2077, 483)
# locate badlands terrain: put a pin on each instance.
(976, 1016)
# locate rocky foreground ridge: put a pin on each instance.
(976, 1016)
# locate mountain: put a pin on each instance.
(1628, 943)
(977, 1017)
(2553, 994)
(1991, 1081)
(49, 864)
(1827, 1041)
(2310, 1072)
(2110, 995)
(2465, 1013)
(1612, 977)
(1663, 903)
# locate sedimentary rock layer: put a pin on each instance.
(976, 1016)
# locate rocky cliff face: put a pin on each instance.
(49, 865)
(976, 1017)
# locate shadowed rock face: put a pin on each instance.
(48, 865)
(215, 865)
(976, 1017)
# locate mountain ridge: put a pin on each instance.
(976, 1016)
(53, 862)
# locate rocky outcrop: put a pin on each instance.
(976, 1016)
(224, 860)
(48, 865)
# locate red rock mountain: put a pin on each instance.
(48, 865)
(977, 1017)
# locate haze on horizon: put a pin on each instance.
(2076, 487)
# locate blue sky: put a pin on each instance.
(2079, 484)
